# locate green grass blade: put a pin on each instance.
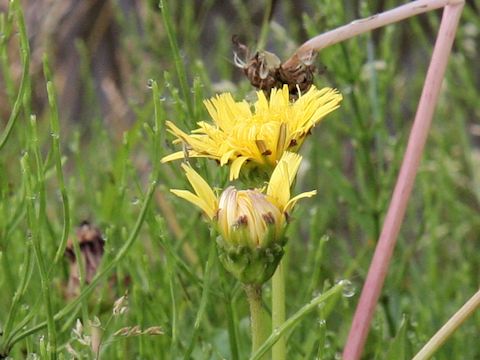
(25, 51)
(102, 274)
(180, 68)
(294, 320)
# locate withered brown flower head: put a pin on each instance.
(266, 71)
(91, 245)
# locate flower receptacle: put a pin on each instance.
(251, 265)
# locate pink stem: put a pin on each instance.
(396, 211)
(361, 26)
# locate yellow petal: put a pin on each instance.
(262, 102)
(175, 156)
(281, 138)
(203, 190)
(282, 178)
(226, 157)
(293, 161)
(278, 187)
(291, 203)
(236, 166)
(195, 200)
(177, 131)
(181, 155)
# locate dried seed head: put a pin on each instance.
(262, 71)
(120, 305)
(78, 334)
(241, 53)
(154, 330)
(265, 70)
(299, 75)
(95, 322)
(136, 331)
(78, 330)
(122, 332)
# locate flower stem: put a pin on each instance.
(257, 323)
(361, 26)
(449, 328)
(278, 311)
(403, 188)
(295, 319)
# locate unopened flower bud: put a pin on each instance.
(251, 222)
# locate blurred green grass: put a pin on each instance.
(352, 159)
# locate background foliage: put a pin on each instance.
(113, 99)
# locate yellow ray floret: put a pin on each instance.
(204, 196)
(282, 179)
(261, 134)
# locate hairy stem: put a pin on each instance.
(278, 311)
(257, 323)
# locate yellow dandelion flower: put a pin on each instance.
(240, 134)
(251, 223)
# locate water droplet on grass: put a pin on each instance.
(348, 288)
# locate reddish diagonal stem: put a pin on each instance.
(361, 26)
(396, 211)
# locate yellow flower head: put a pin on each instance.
(251, 222)
(240, 134)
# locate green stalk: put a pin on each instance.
(44, 278)
(22, 287)
(449, 328)
(257, 323)
(55, 131)
(57, 157)
(171, 276)
(203, 302)
(295, 319)
(6, 29)
(157, 149)
(179, 67)
(262, 39)
(232, 330)
(279, 351)
(25, 51)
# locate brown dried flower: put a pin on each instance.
(266, 71)
(91, 245)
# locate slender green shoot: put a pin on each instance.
(179, 66)
(25, 52)
(294, 320)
